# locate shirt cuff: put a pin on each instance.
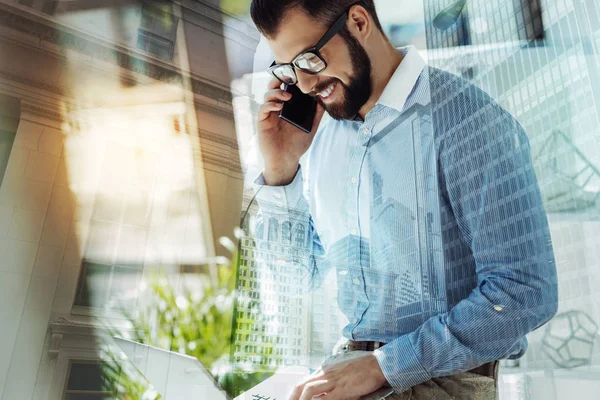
(279, 199)
(400, 365)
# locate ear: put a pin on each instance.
(360, 23)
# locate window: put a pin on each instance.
(110, 287)
(158, 31)
(300, 234)
(273, 230)
(286, 232)
(86, 380)
(529, 19)
(260, 231)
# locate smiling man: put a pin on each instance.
(419, 192)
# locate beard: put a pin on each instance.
(359, 90)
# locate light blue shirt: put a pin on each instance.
(429, 211)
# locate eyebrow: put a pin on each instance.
(297, 54)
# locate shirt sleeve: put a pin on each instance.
(289, 203)
(488, 179)
(281, 199)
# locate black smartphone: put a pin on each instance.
(300, 110)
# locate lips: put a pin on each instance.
(325, 93)
(328, 92)
(322, 88)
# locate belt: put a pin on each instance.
(363, 345)
(490, 369)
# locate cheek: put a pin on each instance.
(336, 76)
(338, 69)
(341, 75)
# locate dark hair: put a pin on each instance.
(268, 14)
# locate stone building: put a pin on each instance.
(118, 155)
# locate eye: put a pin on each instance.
(309, 62)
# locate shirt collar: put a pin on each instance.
(403, 80)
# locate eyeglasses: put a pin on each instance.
(309, 61)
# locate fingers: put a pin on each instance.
(274, 84)
(297, 392)
(315, 388)
(273, 100)
(277, 94)
(267, 108)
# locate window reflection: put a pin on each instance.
(125, 135)
(158, 30)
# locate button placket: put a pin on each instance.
(351, 200)
(349, 209)
(364, 134)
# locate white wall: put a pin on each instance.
(36, 211)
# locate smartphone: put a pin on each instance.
(300, 110)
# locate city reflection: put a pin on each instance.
(136, 260)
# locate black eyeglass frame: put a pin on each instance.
(331, 32)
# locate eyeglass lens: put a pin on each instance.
(285, 73)
(309, 62)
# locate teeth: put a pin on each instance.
(325, 93)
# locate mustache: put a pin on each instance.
(315, 92)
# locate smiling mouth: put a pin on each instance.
(325, 94)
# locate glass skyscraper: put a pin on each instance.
(540, 61)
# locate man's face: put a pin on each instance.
(348, 70)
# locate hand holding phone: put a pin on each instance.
(281, 142)
(300, 110)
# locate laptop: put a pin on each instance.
(178, 376)
(174, 376)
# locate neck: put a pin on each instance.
(385, 60)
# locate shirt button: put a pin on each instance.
(356, 281)
(354, 232)
(365, 131)
(354, 180)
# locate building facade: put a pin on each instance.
(118, 157)
(272, 307)
(539, 60)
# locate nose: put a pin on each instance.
(306, 82)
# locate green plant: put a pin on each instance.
(125, 383)
(198, 321)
